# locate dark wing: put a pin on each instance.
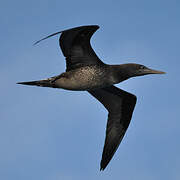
(120, 105)
(76, 47)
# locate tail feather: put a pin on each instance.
(42, 83)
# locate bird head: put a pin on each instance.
(139, 70)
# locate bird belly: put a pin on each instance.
(85, 78)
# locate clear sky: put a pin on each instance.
(53, 134)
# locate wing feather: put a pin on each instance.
(76, 47)
(120, 105)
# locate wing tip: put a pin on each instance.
(103, 165)
(102, 169)
(47, 37)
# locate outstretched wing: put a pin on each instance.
(120, 105)
(76, 47)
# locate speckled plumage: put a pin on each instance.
(85, 71)
(84, 78)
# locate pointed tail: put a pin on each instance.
(42, 83)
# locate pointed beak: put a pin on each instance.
(152, 71)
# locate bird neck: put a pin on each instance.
(121, 72)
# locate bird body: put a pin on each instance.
(86, 72)
(89, 77)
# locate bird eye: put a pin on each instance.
(142, 67)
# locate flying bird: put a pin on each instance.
(86, 72)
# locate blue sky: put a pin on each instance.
(53, 134)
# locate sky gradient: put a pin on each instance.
(53, 134)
